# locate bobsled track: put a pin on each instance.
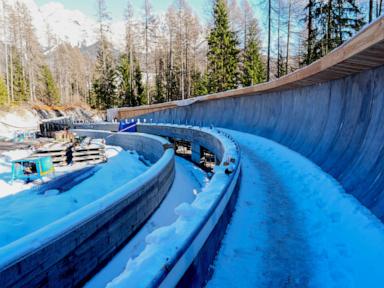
(296, 198)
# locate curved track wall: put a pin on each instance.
(67, 252)
(339, 125)
(196, 236)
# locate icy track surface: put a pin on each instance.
(189, 180)
(27, 211)
(294, 226)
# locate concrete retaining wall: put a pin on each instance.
(190, 265)
(339, 125)
(69, 251)
(195, 136)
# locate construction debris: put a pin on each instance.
(60, 153)
(90, 151)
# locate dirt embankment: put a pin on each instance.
(28, 117)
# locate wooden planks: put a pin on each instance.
(90, 151)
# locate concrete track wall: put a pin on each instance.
(67, 252)
(339, 125)
(190, 264)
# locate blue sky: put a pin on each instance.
(117, 7)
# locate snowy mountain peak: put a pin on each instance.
(55, 24)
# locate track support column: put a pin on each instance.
(196, 155)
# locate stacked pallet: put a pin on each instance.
(64, 136)
(89, 151)
(59, 152)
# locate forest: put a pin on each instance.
(174, 55)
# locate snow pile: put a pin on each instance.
(15, 121)
(331, 240)
(163, 243)
(6, 174)
(27, 211)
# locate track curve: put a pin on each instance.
(294, 226)
(331, 112)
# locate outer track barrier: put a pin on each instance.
(67, 252)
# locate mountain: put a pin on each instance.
(54, 23)
(70, 26)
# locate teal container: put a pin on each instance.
(30, 169)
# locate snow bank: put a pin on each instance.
(7, 188)
(18, 120)
(28, 211)
(163, 244)
(50, 232)
(6, 174)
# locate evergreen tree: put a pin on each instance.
(223, 54)
(281, 67)
(309, 55)
(50, 89)
(200, 84)
(126, 97)
(19, 81)
(3, 92)
(253, 71)
(173, 82)
(139, 89)
(104, 84)
(337, 21)
(160, 79)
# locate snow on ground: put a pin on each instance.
(189, 179)
(294, 226)
(6, 172)
(8, 188)
(27, 211)
(17, 120)
(161, 243)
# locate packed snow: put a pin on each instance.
(189, 180)
(24, 211)
(163, 242)
(294, 226)
(6, 187)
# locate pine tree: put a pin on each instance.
(310, 56)
(200, 84)
(223, 54)
(139, 89)
(253, 71)
(19, 82)
(281, 67)
(125, 89)
(337, 21)
(160, 82)
(50, 89)
(3, 92)
(104, 85)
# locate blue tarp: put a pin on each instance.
(127, 126)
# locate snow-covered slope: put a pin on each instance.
(66, 25)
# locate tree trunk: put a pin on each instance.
(288, 36)
(370, 11)
(269, 41)
(310, 33)
(278, 42)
